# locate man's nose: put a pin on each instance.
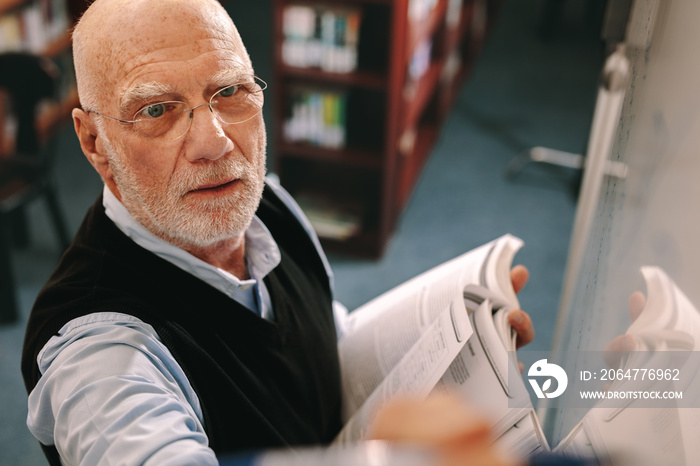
(206, 138)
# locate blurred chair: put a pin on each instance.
(25, 174)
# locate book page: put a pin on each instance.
(418, 371)
(667, 308)
(480, 374)
(634, 436)
(690, 426)
(576, 444)
(525, 438)
(380, 333)
(442, 280)
(496, 273)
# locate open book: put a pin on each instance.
(444, 329)
(667, 333)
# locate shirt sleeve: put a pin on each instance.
(111, 393)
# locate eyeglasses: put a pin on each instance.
(170, 120)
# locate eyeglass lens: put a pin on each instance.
(171, 120)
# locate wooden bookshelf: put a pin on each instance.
(424, 28)
(393, 115)
(359, 158)
(366, 79)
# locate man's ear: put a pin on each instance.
(90, 144)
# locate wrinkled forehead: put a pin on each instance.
(122, 37)
(201, 53)
(177, 36)
(161, 33)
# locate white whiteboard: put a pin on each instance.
(652, 217)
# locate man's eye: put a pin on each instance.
(229, 91)
(153, 111)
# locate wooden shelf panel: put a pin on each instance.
(367, 244)
(354, 157)
(425, 28)
(412, 165)
(337, 2)
(7, 5)
(363, 79)
(417, 99)
(456, 35)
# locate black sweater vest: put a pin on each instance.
(260, 383)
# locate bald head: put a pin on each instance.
(118, 35)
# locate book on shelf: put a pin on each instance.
(32, 26)
(419, 63)
(330, 220)
(10, 32)
(447, 329)
(453, 63)
(420, 9)
(316, 117)
(321, 36)
(454, 13)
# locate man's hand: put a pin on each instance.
(517, 318)
(444, 424)
(621, 345)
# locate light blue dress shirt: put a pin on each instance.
(111, 392)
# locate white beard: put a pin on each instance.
(172, 215)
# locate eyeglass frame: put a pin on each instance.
(191, 110)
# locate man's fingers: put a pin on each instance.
(620, 346)
(637, 302)
(436, 421)
(456, 433)
(518, 277)
(618, 349)
(522, 324)
(622, 343)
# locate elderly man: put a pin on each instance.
(193, 312)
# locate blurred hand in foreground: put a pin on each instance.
(457, 434)
(618, 348)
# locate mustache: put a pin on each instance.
(222, 170)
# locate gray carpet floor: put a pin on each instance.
(524, 91)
